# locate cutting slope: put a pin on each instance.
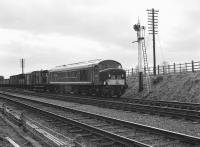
(184, 87)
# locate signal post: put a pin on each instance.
(139, 29)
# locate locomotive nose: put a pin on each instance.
(114, 81)
(112, 74)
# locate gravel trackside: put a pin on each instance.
(178, 125)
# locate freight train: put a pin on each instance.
(95, 77)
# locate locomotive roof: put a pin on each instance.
(79, 65)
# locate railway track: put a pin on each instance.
(105, 131)
(9, 137)
(188, 111)
(170, 104)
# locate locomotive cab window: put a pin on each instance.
(109, 64)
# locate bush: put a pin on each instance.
(157, 80)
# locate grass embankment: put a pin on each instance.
(183, 87)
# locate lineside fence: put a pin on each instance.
(168, 69)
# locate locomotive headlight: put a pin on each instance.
(109, 75)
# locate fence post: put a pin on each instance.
(158, 69)
(180, 68)
(168, 68)
(163, 69)
(174, 68)
(186, 66)
(192, 66)
(132, 71)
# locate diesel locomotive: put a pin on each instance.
(95, 77)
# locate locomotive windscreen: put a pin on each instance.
(109, 64)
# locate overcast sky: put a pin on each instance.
(48, 33)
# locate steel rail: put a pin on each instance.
(173, 104)
(182, 137)
(152, 109)
(117, 138)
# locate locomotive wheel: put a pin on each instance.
(112, 93)
(98, 92)
(104, 93)
(119, 94)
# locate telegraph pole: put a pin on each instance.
(22, 64)
(153, 29)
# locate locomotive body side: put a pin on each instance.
(71, 77)
(89, 78)
(75, 78)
